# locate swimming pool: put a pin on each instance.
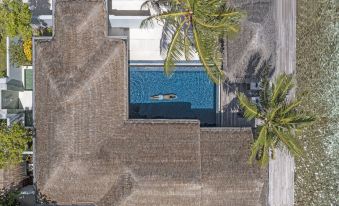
(195, 94)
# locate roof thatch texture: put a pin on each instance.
(87, 151)
(12, 175)
(227, 178)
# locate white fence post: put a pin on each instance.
(8, 60)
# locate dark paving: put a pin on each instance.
(232, 115)
(246, 55)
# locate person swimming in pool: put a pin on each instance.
(164, 97)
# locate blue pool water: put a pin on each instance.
(196, 94)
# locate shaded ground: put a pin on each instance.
(256, 42)
(40, 7)
(245, 56)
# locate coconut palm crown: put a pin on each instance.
(280, 119)
(194, 26)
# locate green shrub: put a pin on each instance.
(17, 54)
(13, 142)
(15, 19)
(2, 55)
(9, 196)
(2, 73)
(43, 31)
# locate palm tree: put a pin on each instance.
(194, 26)
(279, 118)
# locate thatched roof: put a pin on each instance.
(88, 152)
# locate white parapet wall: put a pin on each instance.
(127, 4)
(8, 61)
(144, 44)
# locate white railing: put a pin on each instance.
(8, 62)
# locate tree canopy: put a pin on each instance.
(9, 196)
(15, 19)
(279, 118)
(194, 26)
(13, 142)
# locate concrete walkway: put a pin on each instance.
(281, 170)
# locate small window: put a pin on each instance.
(28, 79)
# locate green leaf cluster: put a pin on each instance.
(43, 31)
(194, 26)
(9, 196)
(15, 19)
(280, 118)
(2, 55)
(18, 56)
(13, 142)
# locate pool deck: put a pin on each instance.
(245, 55)
(276, 30)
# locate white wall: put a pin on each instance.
(127, 4)
(144, 44)
(26, 99)
(16, 73)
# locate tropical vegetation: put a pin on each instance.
(14, 141)
(9, 196)
(27, 46)
(194, 26)
(18, 55)
(15, 20)
(278, 116)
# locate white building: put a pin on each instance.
(16, 94)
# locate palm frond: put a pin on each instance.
(291, 106)
(258, 144)
(265, 157)
(188, 43)
(159, 5)
(149, 22)
(274, 112)
(168, 31)
(265, 92)
(226, 22)
(297, 119)
(250, 109)
(175, 51)
(206, 28)
(281, 88)
(205, 46)
(289, 141)
(156, 5)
